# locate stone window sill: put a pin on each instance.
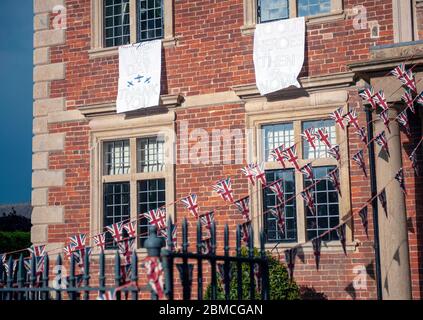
(331, 246)
(248, 30)
(96, 53)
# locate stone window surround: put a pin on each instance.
(117, 128)
(255, 121)
(250, 14)
(97, 48)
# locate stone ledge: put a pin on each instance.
(48, 178)
(48, 38)
(43, 107)
(65, 116)
(39, 234)
(41, 6)
(47, 215)
(48, 142)
(49, 72)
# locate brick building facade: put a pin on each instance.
(208, 82)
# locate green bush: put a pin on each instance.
(281, 287)
(15, 240)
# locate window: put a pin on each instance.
(126, 192)
(300, 224)
(150, 19)
(270, 10)
(116, 22)
(313, 7)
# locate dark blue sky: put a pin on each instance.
(16, 19)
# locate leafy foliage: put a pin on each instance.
(12, 241)
(281, 287)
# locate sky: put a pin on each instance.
(16, 33)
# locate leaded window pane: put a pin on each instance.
(313, 7)
(321, 149)
(270, 10)
(116, 157)
(150, 20)
(116, 23)
(150, 152)
(276, 135)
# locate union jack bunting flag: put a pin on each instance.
(80, 255)
(385, 119)
(278, 155)
(191, 204)
(323, 136)
(257, 276)
(382, 199)
(382, 142)
(279, 215)
(341, 232)
(224, 189)
(414, 161)
(368, 95)
(126, 248)
(163, 233)
(291, 156)
(333, 177)
(37, 251)
(362, 135)
(277, 189)
(310, 136)
(400, 178)
(116, 230)
(364, 219)
(243, 206)
(402, 119)
(248, 171)
(245, 232)
(335, 153)
(420, 99)
(100, 241)
(126, 272)
(260, 174)
(67, 251)
(406, 77)
(221, 272)
(358, 158)
(155, 275)
(308, 198)
(381, 100)
(157, 217)
(108, 295)
(206, 246)
(409, 101)
(352, 118)
(307, 171)
(77, 242)
(207, 220)
(290, 255)
(338, 117)
(317, 246)
(131, 229)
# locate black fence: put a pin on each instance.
(28, 279)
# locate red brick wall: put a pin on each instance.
(212, 56)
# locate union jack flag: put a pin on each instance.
(257, 276)
(174, 244)
(381, 100)
(278, 155)
(224, 189)
(277, 189)
(243, 206)
(406, 77)
(333, 177)
(155, 275)
(334, 152)
(420, 99)
(338, 117)
(248, 171)
(363, 213)
(310, 136)
(291, 156)
(385, 118)
(131, 229)
(77, 242)
(382, 142)
(359, 159)
(341, 232)
(323, 136)
(67, 251)
(100, 241)
(352, 118)
(126, 248)
(414, 162)
(409, 101)
(108, 295)
(126, 272)
(245, 232)
(80, 255)
(307, 171)
(207, 220)
(221, 272)
(157, 217)
(362, 135)
(308, 198)
(191, 204)
(206, 246)
(317, 246)
(6, 265)
(279, 215)
(402, 119)
(290, 255)
(400, 178)
(116, 230)
(260, 174)
(368, 95)
(382, 199)
(37, 251)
